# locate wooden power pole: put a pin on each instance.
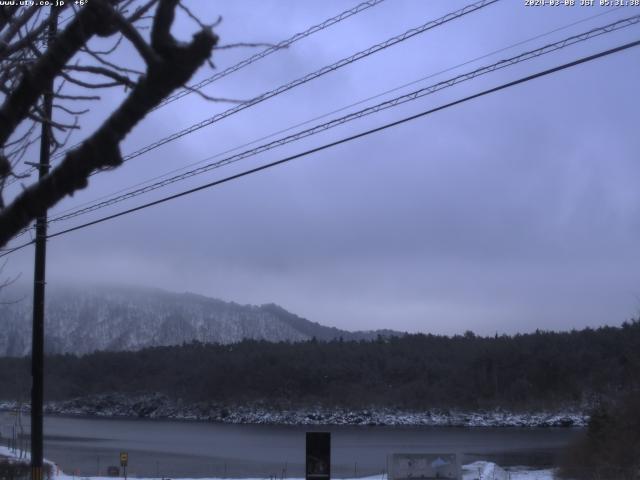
(37, 339)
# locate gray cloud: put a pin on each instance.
(509, 213)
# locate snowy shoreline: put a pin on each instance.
(161, 407)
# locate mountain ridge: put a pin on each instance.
(114, 318)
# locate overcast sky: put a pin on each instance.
(512, 212)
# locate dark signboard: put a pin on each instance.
(318, 456)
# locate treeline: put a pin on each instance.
(538, 370)
(611, 446)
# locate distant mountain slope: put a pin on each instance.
(116, 318)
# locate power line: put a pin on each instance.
(302, 80)
(341, 109)
(272, 49)
(342, 140)
(311, 76)
(283, 88)
(247, 61)
(411, 96)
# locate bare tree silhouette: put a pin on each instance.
(31, 57)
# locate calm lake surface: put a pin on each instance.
(86, 446)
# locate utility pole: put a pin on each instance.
(37, 338)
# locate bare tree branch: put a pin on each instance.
(39, 75)
(141, 11)
(41, 118)
(161, 40)
(69, 111)
(63, 143)
(110, 50)
(212, 99)
(145, 51)
(15, 26)
(22, 137)
(82, 83)
(6, 14)
(7, 49)
(76, 97)
(193, 17)
(120, 79)
(177, 63)
(99, 56)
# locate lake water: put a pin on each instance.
(86, 446)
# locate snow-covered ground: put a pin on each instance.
(160, 406)
(474, 471)
(491, 471)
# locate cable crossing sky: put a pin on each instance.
(327, 114)
(412, 32)
(408, 97)
(272, 49)
(503, 86)
(243, 63)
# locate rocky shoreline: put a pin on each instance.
(157, 406)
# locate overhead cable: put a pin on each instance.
(411, 96)
(338, 142)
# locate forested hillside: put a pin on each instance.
(82, 320)
(538, 370)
